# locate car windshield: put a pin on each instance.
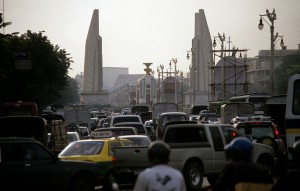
(125, 119)
(72, 137)
(170, 118)
(83, 148)
(257, 130)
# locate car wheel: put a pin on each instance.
(82, 183)
(193, 175)
(110, 182)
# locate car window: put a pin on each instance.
(11, 153)
(125, 119)
(230, 133)
(24, 152)
(83, 148)
(182, 135)
(170, 118)
(34, 152)
(139, 141)
(257, 130)
(72, 137)
(127, 143)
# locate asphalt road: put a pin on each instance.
(205, 183)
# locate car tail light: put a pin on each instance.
(277, 132)
(113, 159)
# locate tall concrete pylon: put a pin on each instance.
(201, 59)
(93, 68)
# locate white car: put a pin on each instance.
(73, 136)
(85, 132)
(149, 125)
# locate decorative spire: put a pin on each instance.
(148, 70)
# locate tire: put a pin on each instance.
(110, 182)
(82, 182)
(193, 175)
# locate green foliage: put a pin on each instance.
(70, 94)
(47, 77)
(290, 66)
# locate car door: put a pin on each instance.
(41, 169)
(11, 165)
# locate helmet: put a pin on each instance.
(240, 148)
(159, 152)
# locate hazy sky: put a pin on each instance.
(137, 31)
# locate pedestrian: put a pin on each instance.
(241, 169)
(290, 181)
(161, 176)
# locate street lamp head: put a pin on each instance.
(281, 43)
(261, 24)
(187, 56)
(162, 67)
(214, 43)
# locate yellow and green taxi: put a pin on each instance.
(94, 150)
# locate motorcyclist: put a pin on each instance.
(240, 169)
(160, 176)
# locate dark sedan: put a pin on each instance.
(26, 164)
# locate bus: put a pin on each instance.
(259, 101)
(292, 113)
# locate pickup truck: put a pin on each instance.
(197, 150)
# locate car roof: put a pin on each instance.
(72, 132)
(128, 123)
(105, 139)
(115, 116)
(17, 139)
(83, 127)
(174, 113)
(113, 128)
(125, 136)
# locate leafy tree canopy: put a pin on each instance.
(41, 76)
(290, 66)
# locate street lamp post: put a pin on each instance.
(222, 39)
(272, 18)
(160, 71)
(190, 85)
(175, 74)
(158, 91)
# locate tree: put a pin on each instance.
(289, 66)
(45, 76)
(70, 94)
